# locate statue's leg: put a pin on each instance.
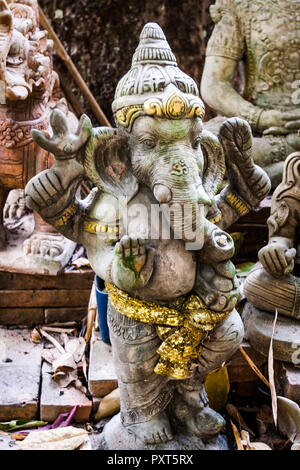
(270, 153)
(267, 295)
(191, 407)
(144, 394)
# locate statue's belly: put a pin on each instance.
(174, 272)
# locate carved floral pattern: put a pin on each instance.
(15, 134)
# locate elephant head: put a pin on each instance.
(159, 141)
(25, 52)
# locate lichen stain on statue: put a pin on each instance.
(264, 36)
(273, 284)
(29, 91)
(171, 311)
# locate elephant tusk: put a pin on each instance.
(202, 197)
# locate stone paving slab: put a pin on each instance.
(102, 376)
(20, 369)
(55, 400)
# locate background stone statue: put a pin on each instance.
(170, 279)
(274, 283)
(264, 35)
(29, 90)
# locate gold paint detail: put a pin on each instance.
(181, 326)
(237, 203)
(66, 215)
(128, 114)
(96, 228)
(216, 219)
(174, 105)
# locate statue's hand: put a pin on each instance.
(132, 264)
(218, 285)
(277, 259)
(63, 144)
(273, 121)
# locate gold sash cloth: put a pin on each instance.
(181, 326)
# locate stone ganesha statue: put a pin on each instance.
(30, 89)
(172, 297)
(264, 36)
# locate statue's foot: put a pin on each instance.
(48, 253)
(195, 417)
(155, 431)
(15, 206)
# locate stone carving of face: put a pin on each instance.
(25, 52)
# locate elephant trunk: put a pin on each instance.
(184, 212)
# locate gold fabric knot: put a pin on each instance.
(181, 326)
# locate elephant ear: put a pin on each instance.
(107, 164)
(214, 163)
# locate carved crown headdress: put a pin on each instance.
(154, 85)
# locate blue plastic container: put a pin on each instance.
(102, 299)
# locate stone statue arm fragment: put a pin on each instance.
(218, 92)
(248, 183)
(52, 193)
(277, 257)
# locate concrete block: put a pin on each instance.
(102, 376)
(20, 370)
(55, 400)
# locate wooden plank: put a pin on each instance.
(21, 316)
(61, 315)
(44, 298)
(19, 281)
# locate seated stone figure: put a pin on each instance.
(153, 230)
(264, 35)
(29, 91)
(274, 283)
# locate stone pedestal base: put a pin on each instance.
(258, 330)
(115, 437)
(13, 259)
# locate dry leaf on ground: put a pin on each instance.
(69, 438)
(271, 372)
(50, 355)
(64, 363)
(109, 405)
(237, 437)
(35, 336)
(235, 414)
(217, 387)
(76, 347)
(289, 420)
(53, 341)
